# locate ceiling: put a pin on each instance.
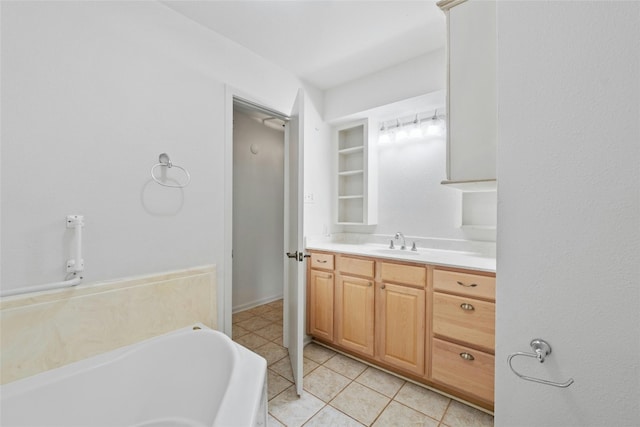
(326, 43)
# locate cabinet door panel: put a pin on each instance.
(472, 285)
(356, 266)
(401, 326)
(321, 305)
(354, 314)
(464, 368)
(464, 319)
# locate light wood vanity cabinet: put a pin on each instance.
(354, 314)
(464, 332)
(431, 324)
(400, 324)
(320, 296)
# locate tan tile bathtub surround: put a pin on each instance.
(50, 329)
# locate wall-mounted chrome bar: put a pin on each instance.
(74, 265)
(541, 350)
(39, 288)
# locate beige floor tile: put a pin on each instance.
(380, 381)
(251, 341)
(254, 323)
(273, 316)
(317, 353)
(272, 352)
(238, 331)
(397, 415)
(275, 384)
(283, 367)
(257, 311)
(308, 366)
(241, 316)
(293, 411)
(423, 400)
(272, 422)
(271, 332)
(324, 383)
(276, 305)
(329, 416)
(360, 402)
(346, 366)
(461, 415)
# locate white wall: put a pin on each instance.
(258, 212)
(411, 198)
(568, 211)
(418, 76)
(92, 93)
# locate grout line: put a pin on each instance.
(444, 414)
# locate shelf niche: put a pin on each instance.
(356, 189)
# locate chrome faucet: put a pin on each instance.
(404, 243)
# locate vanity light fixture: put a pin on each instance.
(385, 135)
(401, 133)
(416, 130)
(434, 125)
(418, 127)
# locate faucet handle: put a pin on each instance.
(413, 247)
(391, 245)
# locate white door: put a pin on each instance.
(568, 212)
(294, 272)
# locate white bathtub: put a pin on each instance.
(190, 377)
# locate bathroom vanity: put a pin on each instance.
(428, 317)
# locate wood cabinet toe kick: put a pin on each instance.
(432, 324)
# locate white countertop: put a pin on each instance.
(447, 258)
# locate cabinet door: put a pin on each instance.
(401, 327)
(321, 304)
(472, 103)
(354, 314)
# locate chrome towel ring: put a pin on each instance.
(541, 349)
(165, 161)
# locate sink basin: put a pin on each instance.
(398, 252)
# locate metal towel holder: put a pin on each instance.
(541, 350)
(165, 161)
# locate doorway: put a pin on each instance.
(258, 206)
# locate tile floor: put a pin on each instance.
(340, 391)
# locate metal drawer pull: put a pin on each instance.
(473, 285)
(467, 356)
(466, 306)
(322, 261)
(369, 284)
(541, 349)
(382, 287)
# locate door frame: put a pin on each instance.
(225, 277)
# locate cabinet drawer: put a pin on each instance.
(323, 261)
(356, 266)
(472, 285)
(466, 369)
(405, 274)
(464, 319)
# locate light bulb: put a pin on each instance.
(402, 134)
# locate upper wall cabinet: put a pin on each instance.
(471, 95)
(357, 202)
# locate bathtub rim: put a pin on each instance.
(232, 410)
